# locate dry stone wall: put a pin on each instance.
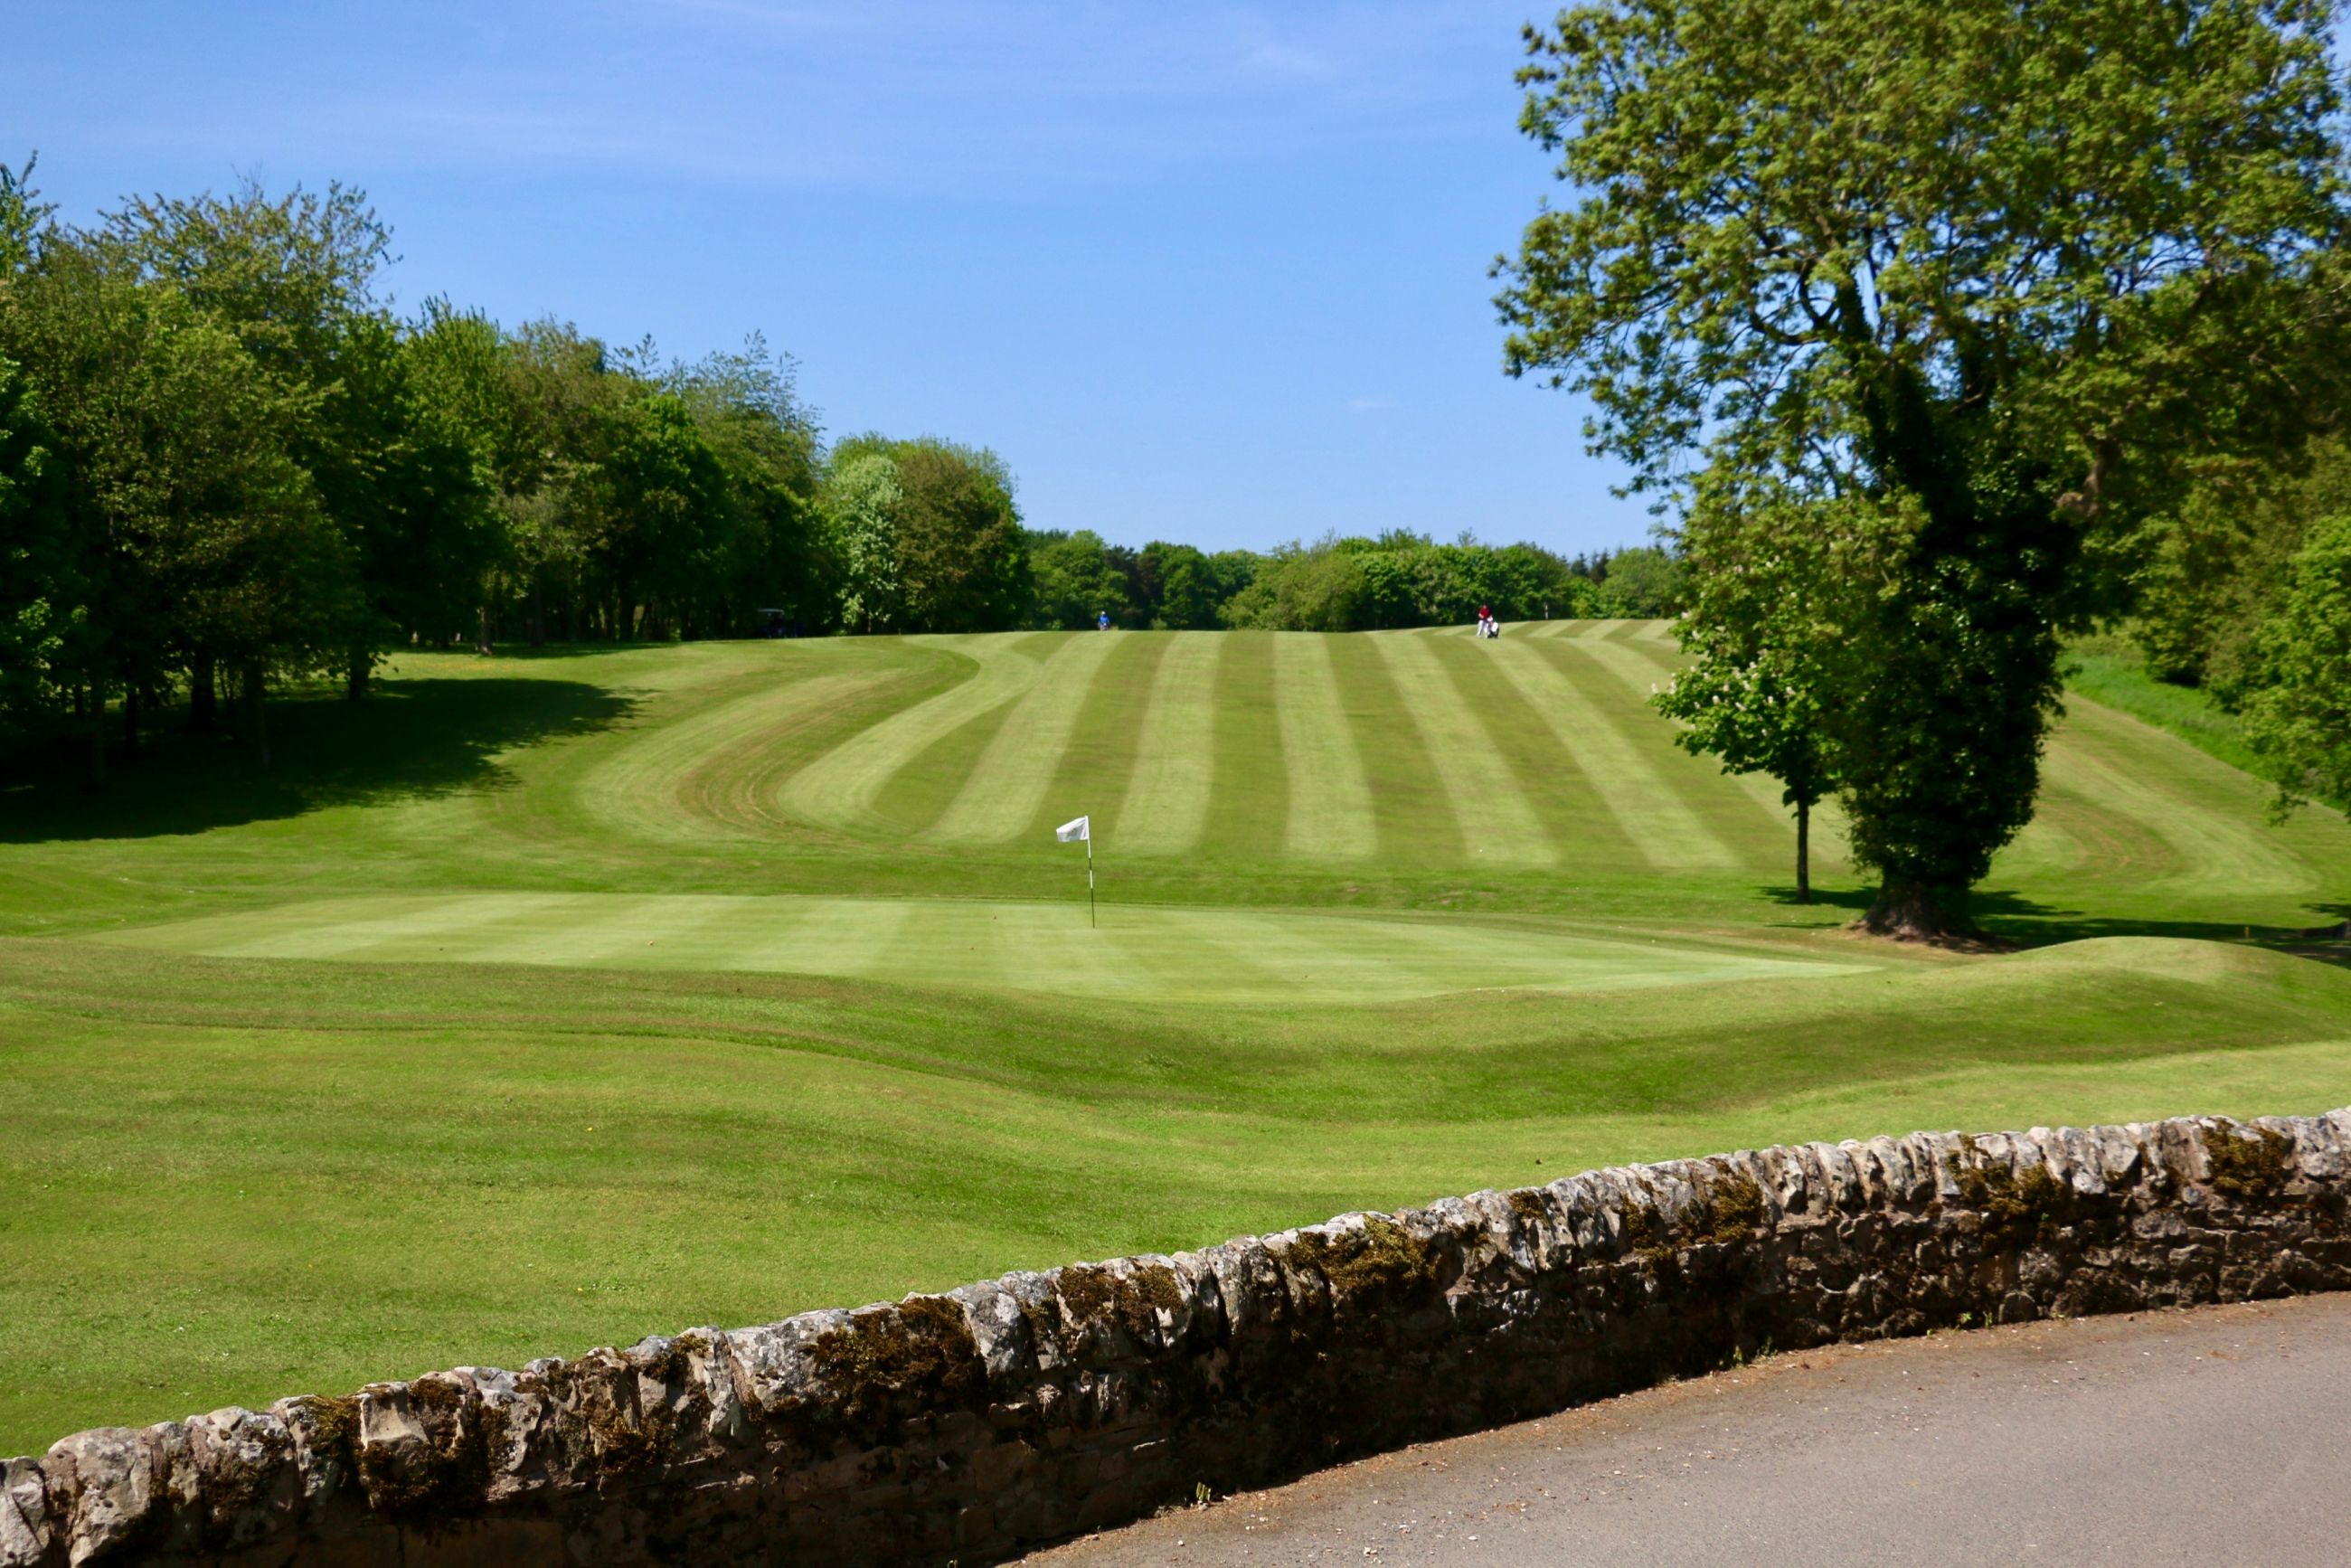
(967, 1426)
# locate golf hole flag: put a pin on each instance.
(1081, 830)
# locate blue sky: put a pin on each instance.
(1211, 274)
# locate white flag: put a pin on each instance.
(1077, 830)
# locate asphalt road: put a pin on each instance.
(2217, 1435)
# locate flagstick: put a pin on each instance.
(1089, 876)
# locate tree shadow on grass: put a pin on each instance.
(409, 740)
(2029, 923)
(519, 653)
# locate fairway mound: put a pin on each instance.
(1166, 953)
(2189, 959)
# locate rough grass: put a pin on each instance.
(793, 1003)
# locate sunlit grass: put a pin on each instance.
(540, 1002)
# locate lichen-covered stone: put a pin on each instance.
(27, 1536)
(103, 1487)
(245, 1475)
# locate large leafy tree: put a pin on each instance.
(2298, 716)
(663, 518)
(1188, 588)
(2005, 268)
(1298, 589)
(41, 614)
(963, 561)
(198, 537)
(929, 534)
(1774, 594)
(1075, 581)
(555, 413)
(773, 555)
(2222, 561)
(863, 501)
(406, 484)
(41, 608)
(292, 275)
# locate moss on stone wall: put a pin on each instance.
(2248, 1167)
(1734, 1209)
(450, 1470)
(1379, 1263)
(920, 1349)
(2015, 1208)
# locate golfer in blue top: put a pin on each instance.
(1102, 624)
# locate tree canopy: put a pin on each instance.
(2004, 274)
(2299, 712)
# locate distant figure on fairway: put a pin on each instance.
(1102, 623)
(1486, 625)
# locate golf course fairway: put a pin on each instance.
(551, 998)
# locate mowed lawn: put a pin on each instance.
(543, 1001)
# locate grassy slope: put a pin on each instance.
(2110, 672)
(251, 1175)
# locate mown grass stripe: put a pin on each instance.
(1099, 759)
(842, 786)
(1006, 787)
(1410, 808)
(862, 939)
(640, 788)
(1487, 787)
(918, 794)
(2155, 781)
(443, 926)
(1548, 773)
(1176, 946)
(1294, 954)
(741, 785)
(1657, 662)
(575, 929)
(1330, 813)
(1596, 730)
(1166, 801)
(784, 934)
(1249, 809)
(1642, 671)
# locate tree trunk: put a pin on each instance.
(1803, 852)
(355, 678)
(254, 683)
(130, 722)
(537, 610)
(1913, 912)
(97, 736)
(203, 697)
(482, 629)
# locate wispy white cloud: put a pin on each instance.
(783, 93)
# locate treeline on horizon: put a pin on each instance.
(1341, 583)
(227, 463)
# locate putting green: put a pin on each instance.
(1174, 954)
